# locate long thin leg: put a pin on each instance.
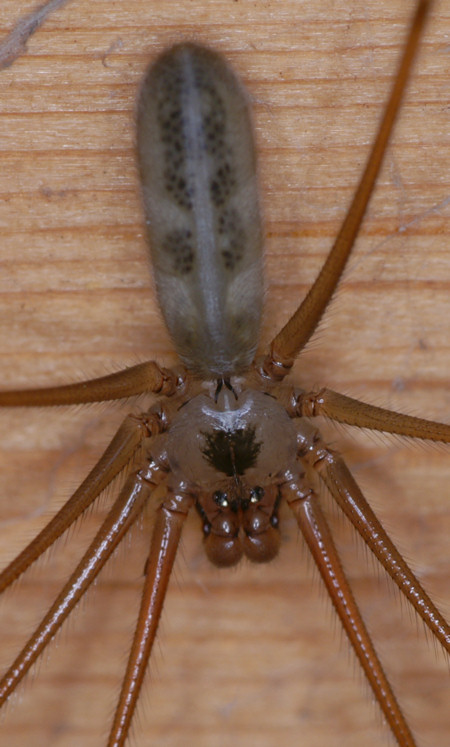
(115, 458)
(140, 379)
(304, 504)
(351, 411)
(123, 513)
(288, 343)
(166, 535)
(339, 481)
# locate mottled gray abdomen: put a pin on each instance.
(197, 164)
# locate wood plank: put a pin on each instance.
(248, 656)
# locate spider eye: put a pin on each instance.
(256, 494)
(220, 499)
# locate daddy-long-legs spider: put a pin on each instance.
(401, 387)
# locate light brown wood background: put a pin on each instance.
(253, 655)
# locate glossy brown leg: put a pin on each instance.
(140, 379)
(351, 411)
(124, 512)
(115, 458)
(339, 481)
(170, 518)
(304, 503)
(288, 343)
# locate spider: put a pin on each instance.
(229, 389)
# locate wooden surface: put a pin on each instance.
(253, 655)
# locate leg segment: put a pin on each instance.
(124, 512)
(304, 503)
(140, 379)
(117, 455)
(288, 343)
(339, 481)
(353, 412)
(166, 535)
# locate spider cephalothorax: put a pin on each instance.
(232, 448)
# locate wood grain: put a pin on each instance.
(253, 655)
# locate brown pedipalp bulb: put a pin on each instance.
(198, 173)
(241, 521)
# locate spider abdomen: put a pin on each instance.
(198, 172)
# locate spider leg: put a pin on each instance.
(345, 491)
(304, 503)
(169, 522)
(117, 455)
(122, 515)
(140, 379)
(288, 343)
(354, 412)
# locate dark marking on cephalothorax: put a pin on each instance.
(231, 452)
(179, 244)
